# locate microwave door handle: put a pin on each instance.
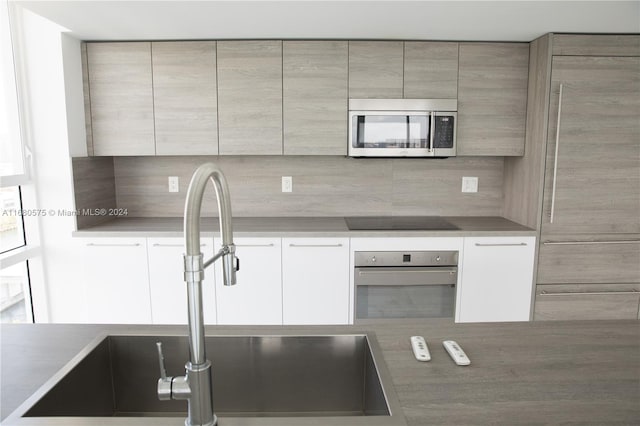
(432, 130)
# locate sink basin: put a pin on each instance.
(265, 379)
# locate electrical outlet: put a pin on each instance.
(469, 184)
(174, 184)
(287, 184)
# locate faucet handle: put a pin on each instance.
(163, 370)
(164, 382)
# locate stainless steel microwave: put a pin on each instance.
(402, 127)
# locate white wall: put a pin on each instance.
(53, 128)
(72, 70)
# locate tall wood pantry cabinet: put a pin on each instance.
(589, 253)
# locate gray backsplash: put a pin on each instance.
(322, 186)
(94, 188)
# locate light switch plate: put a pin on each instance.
(469, 184)
(174, 184)
(287, 184)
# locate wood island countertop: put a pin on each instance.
(569, 372)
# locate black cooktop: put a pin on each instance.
(398, 223)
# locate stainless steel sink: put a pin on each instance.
(257, 380)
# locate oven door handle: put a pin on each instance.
(400, 276)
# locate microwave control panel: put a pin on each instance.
(444, 128)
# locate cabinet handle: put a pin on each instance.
(580, 243)
(588, 293)
(315, 245)
(432, 130)
(173, 245)
(255, 245)
(113, 245)
(500, 244)
(555, 160)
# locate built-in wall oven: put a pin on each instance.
(411, 284)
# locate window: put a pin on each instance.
(11, 222)
(15, 294)
(11, 155)
(15, 287)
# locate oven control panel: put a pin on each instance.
(406, 258)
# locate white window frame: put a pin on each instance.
(23, 178)
(31, 251)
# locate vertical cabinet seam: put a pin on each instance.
(153, 101)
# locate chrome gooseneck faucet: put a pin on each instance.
(196, 386)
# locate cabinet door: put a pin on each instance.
(497, 279)
(184, 96)
(595, 161)
(574, 262)
(257, 296)
(166, 281)
(375, 69)
(587, 302)
(116, 280)
(430, 70)
(315, 81)
(250, 97)
(492, 98)
(315, 280)
(120, 82)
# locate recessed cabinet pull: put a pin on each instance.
(589, 293)
(500, 244)
(255, 245)
(173, 245)
(315, 245)
(580, 243)
(112, 245)
(555, 160)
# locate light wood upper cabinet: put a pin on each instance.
(273, 97)
(315, 79)
(430, 70)
(492, 98)
(250, 97)
(593, 183)
(120, 81)
(87, 99)
(375, 69)
(596, 45)
(185, 98)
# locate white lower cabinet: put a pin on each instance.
(315, 280)
(116, 280)
(497, 279)
(168, 290)
(257, 296)
(281, 280)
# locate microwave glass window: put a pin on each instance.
(390, 131)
